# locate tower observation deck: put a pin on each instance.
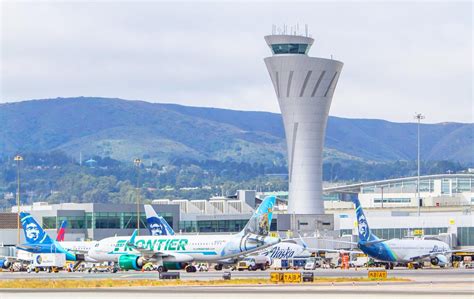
(304, 87)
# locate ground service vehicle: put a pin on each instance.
(313, 263)
(253, 263)
(49, 262)
(360, 261)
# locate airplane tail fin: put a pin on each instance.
(34, 233)
(61, 231)
(362, 225)
(156, 224)
(259, 223)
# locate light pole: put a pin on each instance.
(18, 159)
(137, 163)
(381, 189)
(419, 117)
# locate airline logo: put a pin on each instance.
(363, 227)
(33, 232)
(436, 249)
(154, 245)
(279, 253)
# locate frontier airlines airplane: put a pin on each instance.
(135, 251)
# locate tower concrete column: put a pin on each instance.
(304, 87)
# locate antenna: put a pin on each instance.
(306, 29)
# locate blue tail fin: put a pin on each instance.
(261, 220)
(362, 224)
(157, 225)
(34, 233)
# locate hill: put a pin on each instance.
(125, 129)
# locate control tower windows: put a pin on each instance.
(289, 48)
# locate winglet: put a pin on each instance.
(303, 242)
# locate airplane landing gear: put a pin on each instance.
(161, 269)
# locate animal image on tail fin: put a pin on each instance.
(157, 225)
(34, 233)
(261, 220)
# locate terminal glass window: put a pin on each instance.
(289, 48)
(463, 185)
(392, 200)
(74, 222)
(426, 186)
(465, 236)
(107, 220)
(130, 221)
(89, 220)
(445, 186)
(368, 189)
(49, 222)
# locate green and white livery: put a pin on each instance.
(133, 252)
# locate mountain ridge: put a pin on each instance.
(125, 129)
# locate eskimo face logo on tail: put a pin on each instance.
(363, 227)
(32, 232)
(157, 229)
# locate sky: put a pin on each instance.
(399, 57)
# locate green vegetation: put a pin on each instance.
(195, 153)
(57, 178)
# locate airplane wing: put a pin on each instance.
(333, 250)
(326, 249)
(435, 253)
(26, 247)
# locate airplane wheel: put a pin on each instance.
(218, 267)
(391, 266)
(387, 266)
(161, 269)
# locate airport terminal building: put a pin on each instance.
(390, 207)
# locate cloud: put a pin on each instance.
(399, 58)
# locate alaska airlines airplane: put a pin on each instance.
(399, 250)
(38, 241)
(133, 252)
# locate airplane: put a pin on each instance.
(38, 241)
(7, 261)
(395, 251)
(133, 252)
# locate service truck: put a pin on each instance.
(49, 262)
(253, 263)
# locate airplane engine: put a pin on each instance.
(5, 264)
(439, 260)
(131, 262)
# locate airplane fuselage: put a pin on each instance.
(182, 248)
(403, 250)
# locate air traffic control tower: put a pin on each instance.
(304, 87)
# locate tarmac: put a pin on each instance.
(425, 283)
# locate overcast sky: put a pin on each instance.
(399, 58)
